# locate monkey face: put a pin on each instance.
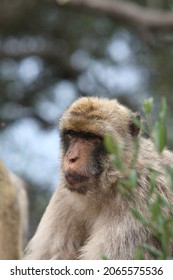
(86, 165)
(81, 163)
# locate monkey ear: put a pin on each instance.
(134, 126)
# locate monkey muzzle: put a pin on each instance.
(76, 182)
(75, 178)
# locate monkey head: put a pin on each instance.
(86, 165)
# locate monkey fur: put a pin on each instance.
(88, 217)
(13, 215)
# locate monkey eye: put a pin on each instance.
(68, 136)
(89, 135)
(71, 132)
(93, 137)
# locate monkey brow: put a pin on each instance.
(82, 134)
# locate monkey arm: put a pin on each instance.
(114, 237)
(61, 231)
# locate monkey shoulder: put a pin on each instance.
(151, 158)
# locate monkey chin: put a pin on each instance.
(77, 183)
(80, 188)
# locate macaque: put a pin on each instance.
(13, 215)
(20, 188)
(88, 217)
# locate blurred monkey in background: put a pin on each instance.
(13, 215)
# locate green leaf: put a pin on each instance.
(104, 258)
(124, 190)
(148, 105)
(116, 161)
(169, 171)
(138, 216)
(155, 210)
(152, 250)
(133, 178)
(159, 136)
(152, 182)
(115, 149)
(163, 110)
(139, 253)
(109, 144)
(112, 146)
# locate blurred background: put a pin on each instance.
(52, 52)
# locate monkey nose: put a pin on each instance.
(75, 178)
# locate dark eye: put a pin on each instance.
(89, 136)
(70, 132)
(93, 138)
(69, 135)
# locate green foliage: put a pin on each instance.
(153, 251)
(159, 218)
(148, 105)
(139, 217)
(104, 258)
(139, 253)
(169, 171)
(158, 133)
(115, 149)
(159, 136)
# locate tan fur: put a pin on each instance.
(22, 201)
(13, 215)
(99, 223)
